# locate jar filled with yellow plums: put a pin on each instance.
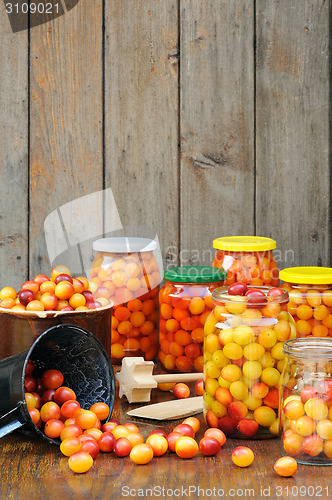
(306, 401)
(126, 271)
(243, 359)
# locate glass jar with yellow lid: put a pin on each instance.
(310, 299)
(247, 259)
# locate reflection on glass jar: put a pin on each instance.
(185, 303)
(126, 271)
(306, 401)
(243, 360)
(310, 299)
(247, 259)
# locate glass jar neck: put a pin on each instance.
(309, 348)
(220, 295)
(303, 287)
(190, 283)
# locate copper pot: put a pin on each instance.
(20, 329)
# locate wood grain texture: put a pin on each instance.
(66, 129)
(13, 153)
(217, 124)
(293, 128)
(141, 115)
(31, 468)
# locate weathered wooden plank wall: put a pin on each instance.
(217, 123)
(203, 118)
(141, 114)
(293, 128)
(14, 168)
(66, 109)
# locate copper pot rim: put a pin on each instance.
(54, 314)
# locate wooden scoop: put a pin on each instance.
(136, 379)
(169, 410)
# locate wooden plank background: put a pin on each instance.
(14, 153)
(203, 119)
(293, 129)
(217, 124)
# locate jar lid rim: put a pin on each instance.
(195, 274)
(221, 295)
(311, 275)
(124, 244)
(308, 347)
(244, 243)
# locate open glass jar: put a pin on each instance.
(310, 299)
(248, 259)
(243, 360)
(185, 303)
(125, 270)
(306, 401)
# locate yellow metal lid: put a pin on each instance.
(244, 243)
(307, 275)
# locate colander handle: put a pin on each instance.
(11, 421)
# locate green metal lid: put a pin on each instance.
(195, 274)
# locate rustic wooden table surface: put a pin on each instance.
(33, 469)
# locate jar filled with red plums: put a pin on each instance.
(185, 303)
(248, 259)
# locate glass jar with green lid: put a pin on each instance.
(247, 259)
(306, 401)
(185, 301)
(310, 299)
